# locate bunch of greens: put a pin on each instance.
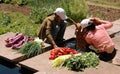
(79, 63)
(31, 49)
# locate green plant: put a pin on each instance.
(31, 49)
(16, 22)
(76, 9)
(28, 25)
(19, 2)
(6, 1)
(4, 20)
(80, 62)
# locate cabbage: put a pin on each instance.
(59, 60)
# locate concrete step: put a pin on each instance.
(10, 54)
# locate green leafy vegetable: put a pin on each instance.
(31, 49)
(80, 62)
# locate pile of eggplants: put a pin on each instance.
(17, 41)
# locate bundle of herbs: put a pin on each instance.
(31, 49)
(80, 62)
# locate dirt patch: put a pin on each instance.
(104, 12)
(15, 8)
(112, 0)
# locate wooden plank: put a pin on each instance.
(11, 54)
(42, 64)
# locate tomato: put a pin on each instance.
(54, 53)
(51, 57)
(59, 54)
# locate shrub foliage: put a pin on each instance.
(28, 25)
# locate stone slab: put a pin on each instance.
(41, 63)
(115, 28)
(116, 40)
(10, 54)
(69, 32)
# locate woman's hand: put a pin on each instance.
(96, 20)
(55, 46)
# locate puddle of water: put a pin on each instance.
(10, 68)
(71, 43)
(7, 70)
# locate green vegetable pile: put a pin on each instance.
(31, 49)
(80, 62)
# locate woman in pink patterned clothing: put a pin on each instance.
(98, 38)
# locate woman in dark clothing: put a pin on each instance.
(53, 27)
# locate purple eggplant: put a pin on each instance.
(25, 39)
(18, 45)
(17, 38)
(14, 40)
(8, 44)
(11, 39)
(7, 40)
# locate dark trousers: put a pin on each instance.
(58, 32)
(103, 55)
(107, 56)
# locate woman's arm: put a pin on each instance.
(72, 21)
(106, 24)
